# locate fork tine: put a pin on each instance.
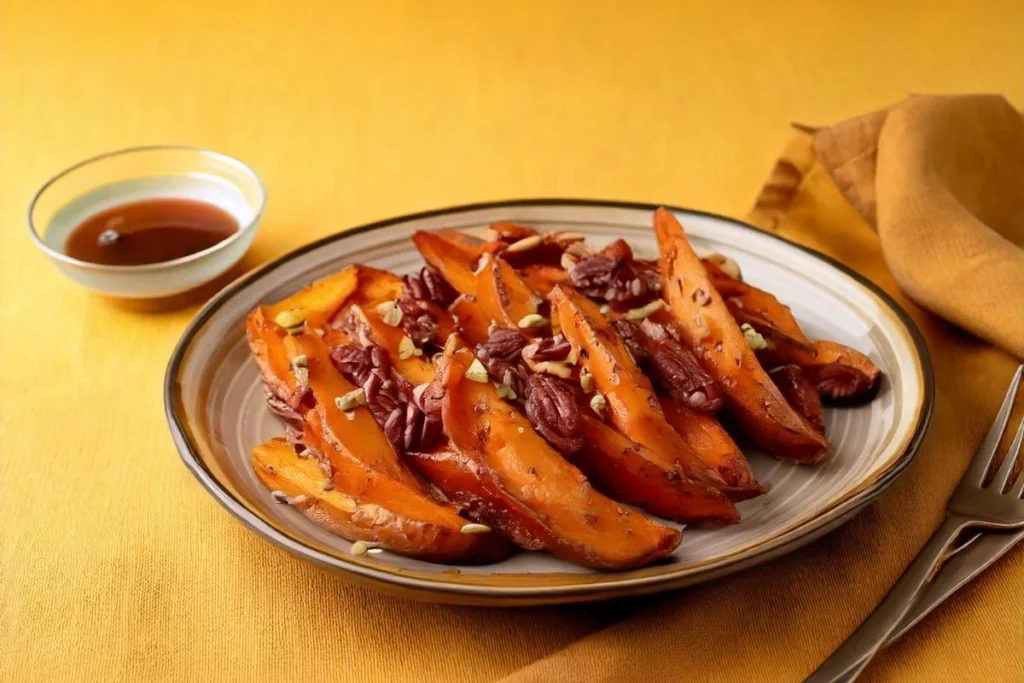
(1003, 475)
(983, 458)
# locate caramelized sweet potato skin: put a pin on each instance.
(366, 506)
(505, 298)
(712, 444)
(542, 278)
(633, 474)
(838, 372)
(708, 327)
(319, 301)
(469, 320)
(632, 405)
(534, 494)
(452, 259)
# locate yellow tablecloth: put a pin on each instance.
(114, 564)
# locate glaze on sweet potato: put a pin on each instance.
(451, 258)
(505, 298)
(364, 505)
(469, 320)
(319, 301)
(632, 473)
(634, 409)
(714, 336)
(712, 444)
(534, 495)
(543, 278)
(838, 372)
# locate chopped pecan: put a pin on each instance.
(430, 285)
(674, 368)
(553, 410)
(547, 348)
(800, 393)
(417, 320)
(501, 354)
(613, 274)
(356, 363)
(281, 408)
(632, 337)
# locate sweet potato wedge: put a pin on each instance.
(712, 444)
(836, 371)
(318, 302)
(632, 405)
(536, 495)
(471, 323)
(634, 474)
(451, 258)
(543, 278)
(364, 505)
(505, 298)
(714, 336)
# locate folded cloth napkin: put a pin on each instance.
(941, 180)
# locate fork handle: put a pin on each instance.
(854, 654)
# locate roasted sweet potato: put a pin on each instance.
(318, 302)
(543, 278)
(534, 495)
(471, 323)
(712, 444)
(451, 258)
(794, 384)
(634, 474)
(836, 371)
(364, 505)
(634, 409)
(714, 336)
(505, 298)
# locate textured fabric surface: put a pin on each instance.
(115, 565)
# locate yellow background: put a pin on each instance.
(114, 563)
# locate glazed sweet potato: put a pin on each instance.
(634, 474)
(318, 302)
(506, 299)
(634, 410)
(836, 371)
(712, 444)
(364, 505)
(533, 494)
(451, 258)
(714, 336)
(469, 320)
(794, 384)
(543, 278)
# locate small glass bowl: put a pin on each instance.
(127, 175)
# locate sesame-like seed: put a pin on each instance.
(524, 244)
(475, 528)
(359, 548)
(645, 311)
(532, 320)
(635, 286)
(279, 497)
(293, 317)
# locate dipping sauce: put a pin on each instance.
(149, 231)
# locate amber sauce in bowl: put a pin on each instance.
(149, 231)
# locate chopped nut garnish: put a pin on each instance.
(482, 263)
(359, 548)
(753, 337)
(598, 403)
(300, 368)
(350, 415)
(476, 372)
(727, 266)
(298, 500)
(475, 528)
(451, 343)
(407, 349)
(319, 332)
(586, 381)
(345, 503)
(524, 244)
(279, 497)
(572, 357)
(558, 368)
(533, 320)
(351, 400)
(505, 391)
(645, 311)
(390, 313)
(605, 309)
(291, 318)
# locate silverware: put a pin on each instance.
(973, 505)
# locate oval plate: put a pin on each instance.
(215, 406)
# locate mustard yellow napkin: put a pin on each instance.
(941, 178)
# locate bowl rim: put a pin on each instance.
(160, 265)
(452, 592)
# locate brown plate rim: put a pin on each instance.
(514, 595)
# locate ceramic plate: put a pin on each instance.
(216, 409)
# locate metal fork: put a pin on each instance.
(974, 504)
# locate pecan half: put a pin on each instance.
(501, 354)
(842, 383)
(613, 274)
(547, 348)
(674, 368)
(554, 412)
(430, 285)
(800, 393)
(417, 320)
(282, 408)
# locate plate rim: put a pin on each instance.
(420, 588)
